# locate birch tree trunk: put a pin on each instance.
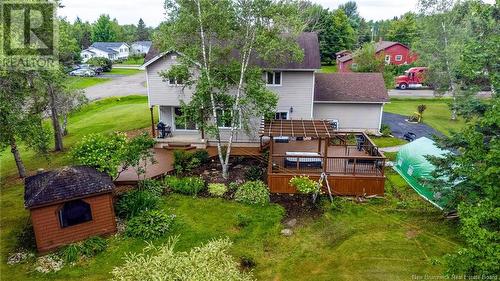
(58, 136)
(17, 157)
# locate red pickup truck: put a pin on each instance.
(414, 78)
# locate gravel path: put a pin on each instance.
(119, 86)
(399, 126)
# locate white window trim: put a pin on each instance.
(274, 78)
(387, 59)
(174, 84)
(282, 111)
(398, 56)
(228, 128)
(174, 127)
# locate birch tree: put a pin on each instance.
(222, 40)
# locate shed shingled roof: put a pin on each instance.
(65, 184)
(350, 87)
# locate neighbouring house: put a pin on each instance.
(320, 123)
(110, 50)
(69, 205)
(140, 47)
(394, 53)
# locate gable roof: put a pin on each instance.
(308, 41)
(143, 43)
(379, 46)
(65, 184)
(107, 46)
(350, 87)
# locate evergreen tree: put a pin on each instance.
(142, 31)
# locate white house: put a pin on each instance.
(354, 101)
(111, 50)
(140, 47)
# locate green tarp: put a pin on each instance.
(415, 169)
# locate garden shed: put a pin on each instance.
(69, 205)
(412, 165)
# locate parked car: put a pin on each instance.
(413, 78)
(86, 72)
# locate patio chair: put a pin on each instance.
(168, 132)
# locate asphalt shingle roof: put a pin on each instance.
(107, 46)
(350, 87)
(65, 184)
(379, 46)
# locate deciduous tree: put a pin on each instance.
(103, 30)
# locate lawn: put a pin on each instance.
(78, 83)
(387, 141)
(437, 114)
(385, 239)
(381, 240)
(328, 69)
(124, 71)
(104, 116)
(134, 61)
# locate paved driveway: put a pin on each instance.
(399, 126)
(118, 86)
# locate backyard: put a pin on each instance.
(390, 238)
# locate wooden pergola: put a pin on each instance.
(316, 129)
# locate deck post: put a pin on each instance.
(270, 164)
(325, 157)
(319, 145)
(152, 122)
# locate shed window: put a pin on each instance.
(74, 212)
(399, 57)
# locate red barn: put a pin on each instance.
(394, 53)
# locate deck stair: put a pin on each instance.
(178, 146)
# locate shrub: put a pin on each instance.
(252, 192)
(184, 162)
(217, 189)
(254, 173)
(202, 155)
(26, 237)
(187, 185)
(87, 248)
(421, 108)
(385, 130)
(105, 63)
(135, 202)
(415, 117)
(154, 186)
(304, 184)
(206, 262)
(150, 225)
(242, 220)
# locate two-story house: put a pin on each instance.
(353, 101)
(111, 50)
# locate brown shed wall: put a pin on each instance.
(340, 185)
(49, 234)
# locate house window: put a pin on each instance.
(74, 212)
(387, 59)
(174, 81)
(281, 115)
(273, 78)
(183, 122)
(398, 58)
(224, 118)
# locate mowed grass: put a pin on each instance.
(374, 241)
(387, 141)
(328, 69)
(124, 71)
(79, 83)
(437, 114)
(104, 116)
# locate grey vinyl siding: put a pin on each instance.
(351, 116)
(159, 91)
(296, 90)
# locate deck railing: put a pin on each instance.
(332, 165)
